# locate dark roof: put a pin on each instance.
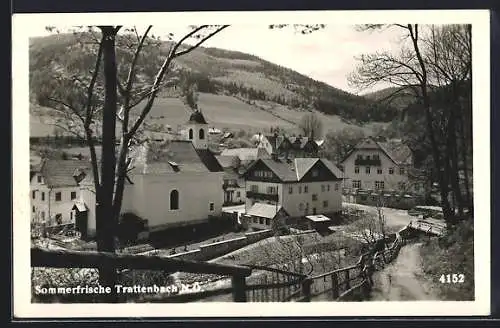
(62, 173)
(173, 156)
(295, 169)
(209, 159)
(197, 117)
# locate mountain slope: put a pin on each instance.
(215, 71)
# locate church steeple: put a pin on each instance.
(197, 130)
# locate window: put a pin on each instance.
(328, 187)
(43, 195)
(254, 188)
(190, 134)
(391, 170)
(300, 189)
(401, 171)
(379, 171)
(376, 157)
(315, 173)
(368, 157)
(322, 188)
(268, 221)
(290, 190)
(374, 198)
(33, 194)
(39, 179)
(367, 170)
(356, 183)
(73, 195)
(59, 218)
(33, 209)
(272, 190)
(71, 215)
(359, 156)
(301, 207)
(201, 134)
(379, 184)
(341, 167)
(314, 197)
(255, 220)
(261, 220)
(356, 169)
(238, 194)
(58, 196)
(43, 215)
(336, 187)
(306, 189)
(174, 200)
(211, 207)
(325, 203)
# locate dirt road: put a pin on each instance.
(402, 280)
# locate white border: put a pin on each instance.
(23, 23)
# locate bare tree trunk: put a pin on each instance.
(443, 183)
(106, 222)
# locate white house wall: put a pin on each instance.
(391, 181)
(149, 197)
(291, 202)
(49, 205)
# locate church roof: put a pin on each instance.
(197, 117)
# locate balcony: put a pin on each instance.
(367, 162)
(261, 196)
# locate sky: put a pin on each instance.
(327, 55)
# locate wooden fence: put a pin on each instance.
(248, 283)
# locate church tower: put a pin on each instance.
(197, 130)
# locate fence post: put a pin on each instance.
(335, 286)
(306, 289)
(238, 284)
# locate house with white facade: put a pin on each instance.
(298, 187)
(54, 187)
(373, 168)
(173, 184)
(234, 183)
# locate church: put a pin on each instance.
(172, 184)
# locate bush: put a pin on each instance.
(452, 253)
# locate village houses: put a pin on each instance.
(54, 188)
(292, 188)
(290, 147)
(173, 184)
(373, 168)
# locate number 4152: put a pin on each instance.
(455, 278)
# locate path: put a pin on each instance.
(402, 280)
(393, 217)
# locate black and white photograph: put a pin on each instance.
(268, 158)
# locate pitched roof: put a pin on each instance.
(227, 161)
(396, 150)
(173, 156)
(208, 158)
(197, 117)
(246, 153)
(263, 210)
(62, 173)
(399, 152)
(296, 169)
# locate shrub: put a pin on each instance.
(452, 253)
